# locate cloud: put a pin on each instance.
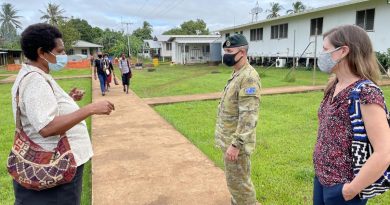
(162, 14)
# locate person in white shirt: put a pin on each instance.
(124, 67)
(47, 111)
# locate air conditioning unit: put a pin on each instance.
(280, 62)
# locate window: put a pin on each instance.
(256, 34)
(241, 32)
(365, 19)
(227, 35)
(206, 49)
(279, 31)
(169, 46)
(187, 49)
(283, 31)
(70, 52)
(84, 51)
(316, 23)
(274, 32)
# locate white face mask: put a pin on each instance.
(325, 61)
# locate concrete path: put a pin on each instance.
(12, 78)
(141, 159)
(215, 96)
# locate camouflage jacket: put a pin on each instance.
(238, 111)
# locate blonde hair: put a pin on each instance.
(361, 58)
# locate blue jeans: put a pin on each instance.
(102, 80)
(323, 195)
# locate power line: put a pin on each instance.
(127, 29)
(173, 5)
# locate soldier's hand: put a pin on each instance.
(232, 153)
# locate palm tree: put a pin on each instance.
(53, 14)
(9, 19)
(297, 7)
(274, 11)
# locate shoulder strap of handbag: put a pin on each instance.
(18, 120)
(361, 146)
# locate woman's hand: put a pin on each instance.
(104, 107)
(76, 94)
(348, 192)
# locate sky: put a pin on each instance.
(162, 14)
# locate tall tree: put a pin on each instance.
(9, 21)
(198, 27)
(69, 33)
(296, 8)
(274, 11)
(53, 14)
(145, 32)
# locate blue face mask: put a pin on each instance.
(61, 61)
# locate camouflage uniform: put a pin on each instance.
(236, 124)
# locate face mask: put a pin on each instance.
(229, 59)
(325, 61)
(61, 61)
(100, 56)
(105, 58)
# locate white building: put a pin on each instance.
(85, 48)
(189, 49)
(274, 38)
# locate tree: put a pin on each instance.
(297, 7)
(69, 33)
(274, 11)
(9, 22)
(191, 27)
(87, 32)
(53, 14)
(121, 46)
(145, 32)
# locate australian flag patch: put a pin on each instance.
(250, 91)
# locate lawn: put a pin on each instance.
(7, 128)
(62, 73)
(183, 80)
(282, 169)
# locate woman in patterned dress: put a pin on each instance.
(349, 56)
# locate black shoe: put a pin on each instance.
(124, 89)
(103, 94)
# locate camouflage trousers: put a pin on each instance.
(238, 177)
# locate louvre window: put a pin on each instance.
(365, 19)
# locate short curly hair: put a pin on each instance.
(40, 35)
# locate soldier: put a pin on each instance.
(235, 131)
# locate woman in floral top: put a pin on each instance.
(348, 54)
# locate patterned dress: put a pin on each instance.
(332, 153)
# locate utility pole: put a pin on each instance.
(127, 31)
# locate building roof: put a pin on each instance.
(195, 39)
(170, 38)
(153, 44)
(324, 8)
(86, 44)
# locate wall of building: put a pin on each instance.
(301, 25)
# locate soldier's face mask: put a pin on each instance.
(230, 59)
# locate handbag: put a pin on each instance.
(115, 79)
(361, 146)
(35, 168)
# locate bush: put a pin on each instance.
(384, 58)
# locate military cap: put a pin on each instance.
(235, 40)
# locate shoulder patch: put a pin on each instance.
(250, 91)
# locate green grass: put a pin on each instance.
(282, 169)
(183, 80)
(7, 128)
(62, 73)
